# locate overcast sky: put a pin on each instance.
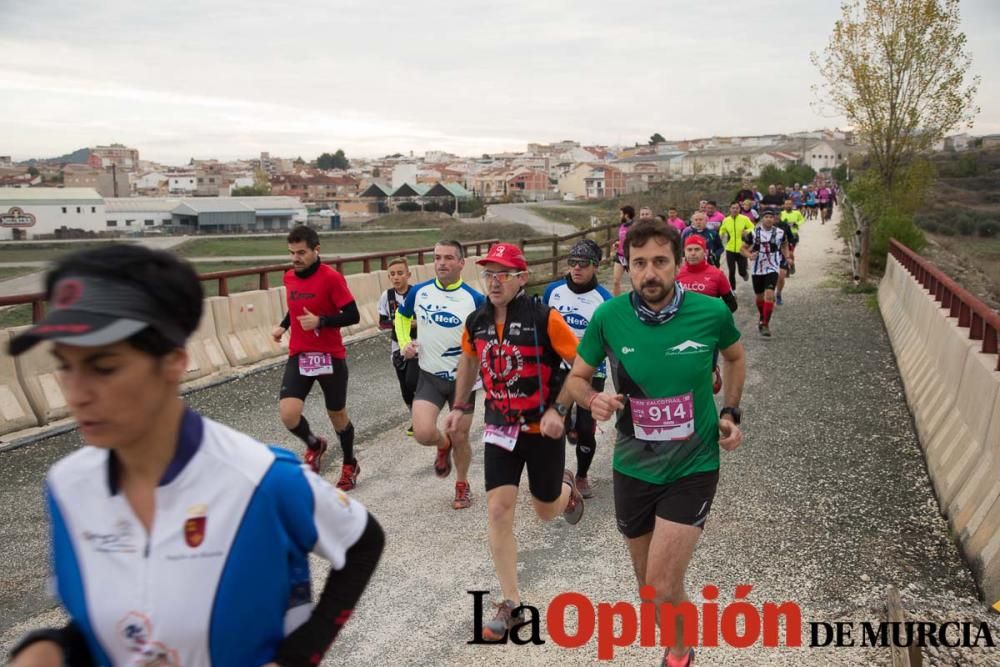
(184, 78)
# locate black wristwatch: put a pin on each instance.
(560, 409)
(735, 413)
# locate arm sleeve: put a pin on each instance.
(286, 321)
(341, 593)
(404, 318)
(562, 337)
(730, 300)
(347, 316)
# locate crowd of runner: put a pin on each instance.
(542, 365)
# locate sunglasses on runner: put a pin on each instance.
(500, 276)
(579, 263)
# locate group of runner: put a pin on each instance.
(541, 366)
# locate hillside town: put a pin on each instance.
(111, 190)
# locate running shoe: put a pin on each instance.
(765, 331)
(409, 430)
(314, 454)
(574, 508)
(673, 661)
(349, 476)
(442, 460)
(716, 382)
(504, 620)
(583, 486)
(777, 299)
(463, 497)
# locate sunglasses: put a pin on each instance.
(579, 263)
(500, 276)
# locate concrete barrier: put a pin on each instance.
(205, 355)
(16, 412)
(953, 391)
(422, 272)
(279, 306)
(36, 370)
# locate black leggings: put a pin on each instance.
(734, 260)
(585, 427)
(407, 376)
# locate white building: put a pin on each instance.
(182, 183)
(133, 214)
(403, 173)
(30, 213)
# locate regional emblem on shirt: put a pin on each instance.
(194, 526)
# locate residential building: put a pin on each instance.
(529, 183)
(117, 155)
(182, 182)
(108, 182)
(593, 181)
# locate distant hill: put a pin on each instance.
(79, 156)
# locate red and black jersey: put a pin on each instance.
(322, 291)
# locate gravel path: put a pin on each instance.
(826, 504)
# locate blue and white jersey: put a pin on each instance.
(576, 309)
(441, 314)
(222, 577)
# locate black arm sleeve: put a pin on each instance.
(347, 316)
(730, 300)
(342, 591)
(76, 653)
(287, 322)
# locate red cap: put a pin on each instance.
(505, 254)
(696, 240)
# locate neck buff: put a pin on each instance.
(581, 289)
(647, 315)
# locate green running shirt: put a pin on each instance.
(662, 361)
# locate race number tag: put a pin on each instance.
(312, 364)
(502, 436)
(663, 419)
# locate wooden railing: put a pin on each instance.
(381, 259)
(983, 322)
(554, 261)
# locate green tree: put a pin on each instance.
(770, 174)
(897, 69)
(333, 161)
(252, 191)
(657, 138)
(33, 171)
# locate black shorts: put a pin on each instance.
(439, 391)
(296, 385)
(638, 503)
(762, 283)
(546, 460)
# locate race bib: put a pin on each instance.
(312, 364)
(502, 436)
(663, 419)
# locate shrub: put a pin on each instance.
(897, 225)
(989, 229)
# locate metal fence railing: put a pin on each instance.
(983, 322)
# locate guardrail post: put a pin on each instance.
(555, 256)
(420, 258)
(37, 310)
(223, 287)
(263, 280)
(385, 263)
(366, 265)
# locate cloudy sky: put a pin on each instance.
(184, 78)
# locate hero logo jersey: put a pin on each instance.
(576, 309)
(440, 314)
(222, 577)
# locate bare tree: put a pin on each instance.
(898, 70)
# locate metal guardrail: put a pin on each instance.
(37, 299)
(983, 322)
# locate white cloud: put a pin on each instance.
(229, 78)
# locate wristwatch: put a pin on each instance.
(560, 409)
(735, 413)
